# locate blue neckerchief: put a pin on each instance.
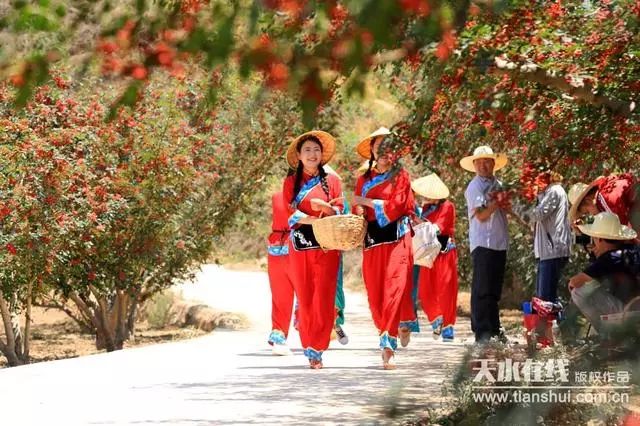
(306, 188)
(432, 208)
(374, 182)
(417, 210)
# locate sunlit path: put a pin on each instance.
(230, 377)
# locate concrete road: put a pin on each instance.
(230, 377)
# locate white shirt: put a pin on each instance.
(492, 233)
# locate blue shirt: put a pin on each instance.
(492, 233)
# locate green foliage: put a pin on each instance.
(158, 309)
(465, 408)
(99, 211)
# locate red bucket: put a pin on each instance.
(530, 321)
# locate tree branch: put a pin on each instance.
(82, 306)
(83, 321)
(576, 88)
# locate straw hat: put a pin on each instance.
(607, 225)
(364, 146)
(483, 152)
(575, 191)
(577, 199)
(431, 187)
(328, 147)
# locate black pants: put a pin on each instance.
(486, 290)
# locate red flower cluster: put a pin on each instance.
(419, 7)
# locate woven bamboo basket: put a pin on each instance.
(340, 232)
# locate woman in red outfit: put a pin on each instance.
(438, 285)
(279, 280)
(310, 193)
(384, 197)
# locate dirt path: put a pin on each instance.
(231, 377)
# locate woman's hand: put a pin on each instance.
(318, 204)
(363, 201)
(578, 280)
(359, 210)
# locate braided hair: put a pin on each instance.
(299, 170)
(372, 158)
(323, 180)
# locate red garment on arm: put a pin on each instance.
(395, 194)
(279, 217)
(444, 216)
(335, 191)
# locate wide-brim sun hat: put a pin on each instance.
(484, 152)
(430, 186)
(364, 146)
(575, 191)
(573, 211)
(327, 141)
(607, 225)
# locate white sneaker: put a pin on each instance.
(281, 350)
(342, 336)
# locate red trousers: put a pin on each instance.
(408, 316)
(387, 273)
(281, 293)
(438, 288)
(314, 274)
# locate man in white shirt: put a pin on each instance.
(489, 240)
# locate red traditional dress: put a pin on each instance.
(314, 271)
(278, 270)
(387, 257)
(438, 285)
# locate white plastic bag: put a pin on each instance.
(426, 246)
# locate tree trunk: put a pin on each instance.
(12, 348)
(27, 321)
(131, 318)
(112, 317)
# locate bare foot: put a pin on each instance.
(405, 336)
(315, 364)
(387, 354)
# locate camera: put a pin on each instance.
(582, 239)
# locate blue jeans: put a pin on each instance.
(549, 272)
